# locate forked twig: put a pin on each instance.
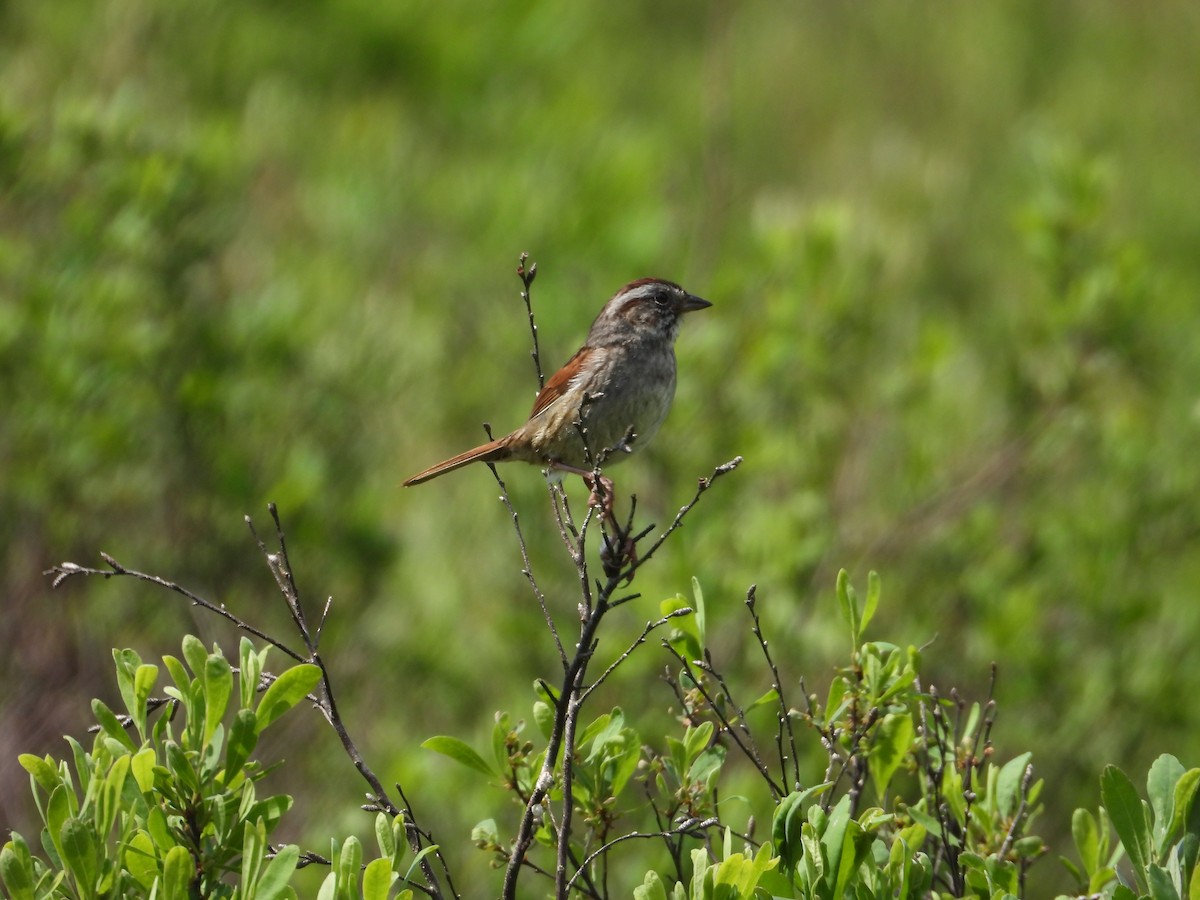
(282, 571)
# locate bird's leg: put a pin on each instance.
(601, 499)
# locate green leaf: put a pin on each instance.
(543, 717)
(699, 615)
(144, 680)
(80, 854)
(43, 772)
(139, 859)
(251, 667)
(1087, 839)
(274, 881)
(925, 820)
(1100, 879)
(626, 761)
(833, 837)
(109, 803)
(194, 654)
(180, 766)
(127, 662)
(349, 862)
(771, 697)
(459, 752)
(156, 825)
(16, 869)
(1128, 816)
(485, 833)
(889, 748)
(684, 638)
(1164, 775)
(112, 725)
(787, 826)
(254, 851)
(699, 868)
(287, 690)
(1185, 798)
(1008, 784)
(378, 879)
(874, 589)
(651, 888)
(602, 732)
(849, 606)
(385, 838)
(142, 767)
(785, 831)
(179, 675)
(696, 739)
(706, 767)
(218, 686)
(59, 808)
(243, 737)
(270, 810)
(178, 869)
(1160, 884)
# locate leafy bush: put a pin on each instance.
(175, 813)
(909, 802)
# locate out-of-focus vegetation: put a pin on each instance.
(263, 251)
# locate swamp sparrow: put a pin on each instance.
(622, 380)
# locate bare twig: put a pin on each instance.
(727, 727)
(689, 828)
(702, 486)
(785, 719)
(282, 571)
(1019, 815)
(641, 639)
(526, 565)
(66, 570)
(527, 274)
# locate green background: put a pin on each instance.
(264, 251)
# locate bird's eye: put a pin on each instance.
(662, 301)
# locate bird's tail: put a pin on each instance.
(492, 451)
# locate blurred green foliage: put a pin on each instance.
(263, 251)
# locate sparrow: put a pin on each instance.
(612, 395)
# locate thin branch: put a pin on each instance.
(692, 827)
(568, 796)
(410, 824)
(1019, 815)
(527, 274)
(66, 570)
(526, 565)
(785, 720)
(702, 486)
(741, 721)
(726, 726)
(641, 639)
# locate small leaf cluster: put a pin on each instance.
(950, 823)
(1159, 837)
(730, 876)
(946, 821)
(169, 807)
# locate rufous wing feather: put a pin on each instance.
(560, 381)
(492, 451)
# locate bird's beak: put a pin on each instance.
(692, 303)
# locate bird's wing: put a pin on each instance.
(560, 382)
